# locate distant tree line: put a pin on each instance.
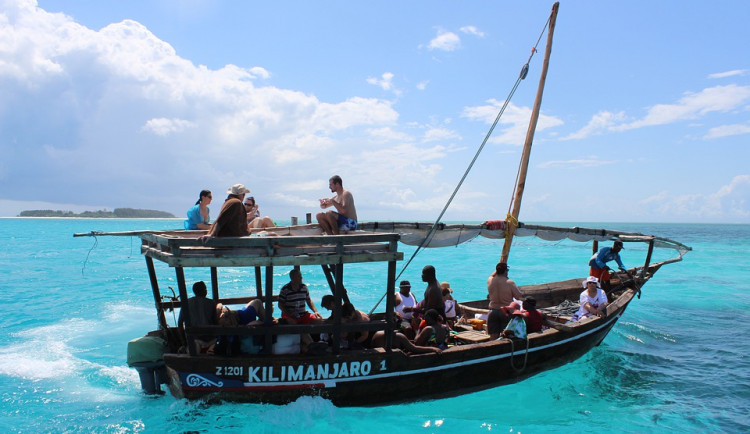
(123, 213)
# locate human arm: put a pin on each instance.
(597, 305)
(343, 203)
(312, 306)
(557, 326)
(514, 289)
(619, 262)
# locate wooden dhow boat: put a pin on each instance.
(361, 377)
(279, 373)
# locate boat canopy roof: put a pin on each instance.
(275, 246)
(453, 234)
(374, 241)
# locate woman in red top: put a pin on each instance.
(533, 318)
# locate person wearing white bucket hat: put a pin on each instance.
(232, 219)
(593, 300)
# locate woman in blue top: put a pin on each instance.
(197, 216)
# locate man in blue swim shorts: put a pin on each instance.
(345, 216)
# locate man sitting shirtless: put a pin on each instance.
(345, 216)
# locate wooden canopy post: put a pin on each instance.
(268, 320)
(648, 257)
(180, 272)
(157, 294)
(390, 291)
(328, 271)
(338, 294)
(258, 282)
(214, 283)
(512, 220)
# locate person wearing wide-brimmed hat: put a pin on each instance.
(232, 219)
(593, 300)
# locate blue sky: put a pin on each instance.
(645, 118)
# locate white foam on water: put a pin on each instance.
(68, 354)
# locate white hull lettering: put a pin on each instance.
(323, 371)
(294, 373)
(253, 374)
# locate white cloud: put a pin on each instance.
(121, 94)
(422, 85)
(445, 41)
(259, 72)
(163, 126)
(514, 122)
(727, 130)
(733, 73)
(472, 30)
(440, 134)
(385, 82)
(576, 163)
(599, 123)
(693, 105)
(729, 203)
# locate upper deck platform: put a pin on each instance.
(293, 245)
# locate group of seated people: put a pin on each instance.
(239, 214)
(420, 326)
(294, 299)
(238, 210)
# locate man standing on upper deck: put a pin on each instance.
(232, 219)
(345, 216)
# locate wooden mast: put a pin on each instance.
(512, 219)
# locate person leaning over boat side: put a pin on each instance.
(345, 216)
(598, 262)
(198, 215)
(401, 342)
(254, 220)
(232, 219)
(360, 339)
(593, 300)
(501, 291)
(202, 312)
(253, 313)
(328, 302)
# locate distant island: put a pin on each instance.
(122, 213)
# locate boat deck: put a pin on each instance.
(270, 248)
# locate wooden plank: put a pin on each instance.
(472, 337)
(251, 261)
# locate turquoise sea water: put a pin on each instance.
(676, 361)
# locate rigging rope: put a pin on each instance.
(96, 243)
(430, 234)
